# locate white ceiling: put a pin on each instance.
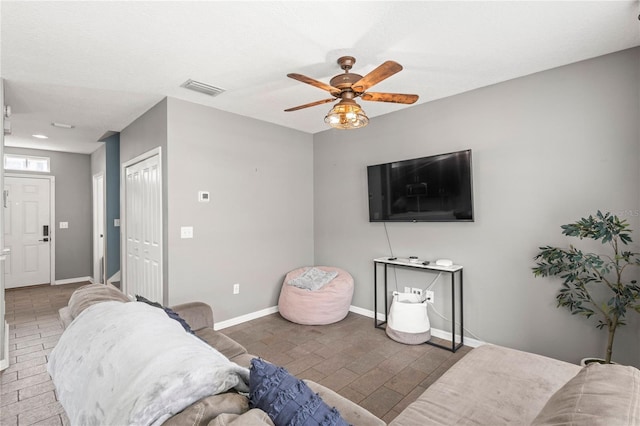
(100, 64)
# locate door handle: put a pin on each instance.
(44, 240)
(4, 253)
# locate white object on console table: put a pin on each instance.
(407, 262)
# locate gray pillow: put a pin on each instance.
(313, 279)
(599, 395)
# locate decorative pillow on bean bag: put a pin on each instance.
(313, 279)
(170, 312)
(286, 399)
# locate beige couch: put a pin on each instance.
(223, 409)
(492, 385)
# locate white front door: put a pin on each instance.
(143, 227)
(27, 231)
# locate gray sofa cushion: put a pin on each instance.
(599, 395)
(197, 314)
(225, 345)
(253, 417)
(491, 385)
(202, 412)
(90, 294)
(65, 316)
(350, 411)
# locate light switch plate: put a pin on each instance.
(64, 225)
(186, 232)
(203, 196)
(116, 222)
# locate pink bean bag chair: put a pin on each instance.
(310, 306)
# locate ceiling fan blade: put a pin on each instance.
(385, 70)
(316, 83)
(398, 98)
(324, 101)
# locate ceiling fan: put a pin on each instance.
(347, 114)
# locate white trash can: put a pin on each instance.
(408, 321)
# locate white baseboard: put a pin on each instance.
(73, 280)
(441, 334)
(244, 318)
(356, 310)
(365, 312)
(114, 277)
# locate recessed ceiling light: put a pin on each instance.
(40, 136)
(63, 125)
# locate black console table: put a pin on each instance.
(452, 270)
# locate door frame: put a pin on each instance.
(52, 218)
(123, 217)
(97, 204)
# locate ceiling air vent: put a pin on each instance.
(207, 89)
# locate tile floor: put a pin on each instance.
(351, 357)
(27, 396)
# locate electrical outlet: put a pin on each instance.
(430, 296)
(407, 289)
(236, 288)
(186, 232)
(417, 291)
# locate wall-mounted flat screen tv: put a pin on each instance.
(428, 189)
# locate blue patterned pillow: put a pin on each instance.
(286, 399)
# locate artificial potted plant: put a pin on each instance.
(595, 284)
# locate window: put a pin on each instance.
(26, 163)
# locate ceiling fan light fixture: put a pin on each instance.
(346, 115)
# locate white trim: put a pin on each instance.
(4, 361)
(365, 312)
(94, 231)
(441, 334)
(244, 318)
(74, 280)
(52, 218)
(356, 310)
(123, 216)
(114, 277)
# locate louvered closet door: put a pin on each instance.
(143, 205)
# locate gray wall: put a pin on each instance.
(548, 149)
(259, 222)
(98, 160)
(74, 247)
(147, 132)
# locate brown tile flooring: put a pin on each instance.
(351, 357)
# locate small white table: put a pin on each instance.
(452, 270)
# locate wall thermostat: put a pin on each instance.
(203, 196)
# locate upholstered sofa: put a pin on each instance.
(491, 385)
(222, 409)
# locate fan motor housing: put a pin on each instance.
(345, 81)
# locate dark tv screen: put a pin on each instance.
(428, 189)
